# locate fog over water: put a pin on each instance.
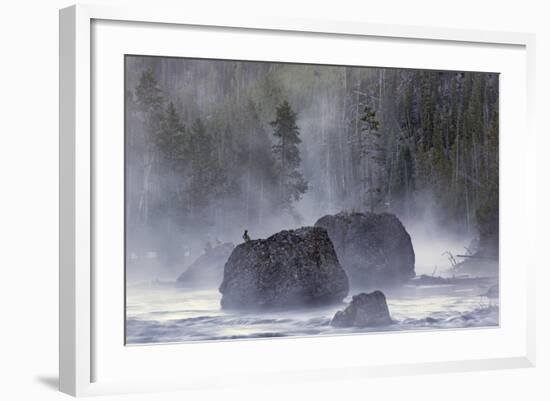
(159, 314)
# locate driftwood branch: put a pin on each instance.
(477, 257)
(450, 257)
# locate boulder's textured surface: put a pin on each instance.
(375, 249)
(365, 310)
(289, 269)
(207, 270)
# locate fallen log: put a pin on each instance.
(477, 257)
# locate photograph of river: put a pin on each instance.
(267, 199)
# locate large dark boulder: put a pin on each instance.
(289, 269)
(207, 269)
(375, 249)
(365, 310)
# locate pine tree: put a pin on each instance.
(149, 101)
(373, 153)
(149, 96)
(170, 138)
(207, 177)
(291, 185)
(172, 144)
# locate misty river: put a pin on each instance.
(399, 164)
(162, 313)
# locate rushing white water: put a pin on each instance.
(160, 313)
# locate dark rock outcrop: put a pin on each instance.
(207, 270)
(375, 249)
(289, 269)
(365, 310)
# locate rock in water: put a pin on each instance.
(365, 310)
(375, 249)
(207, 270)
(289, 269)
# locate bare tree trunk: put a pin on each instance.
(486, 132)
(457, 143)
(407, 191)
(261, 208)
(247, 201)
(359, 176)
(325, 135)
(221, 153)
(283, 173)
(475, 163)
(144, 202)
(467, 207)
(342, 134)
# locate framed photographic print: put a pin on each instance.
(290, 199)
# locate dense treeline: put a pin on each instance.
(213, 147)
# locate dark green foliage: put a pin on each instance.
(373, 151)
(291, 183)
(487, 216)
(452, 146)
(171, 137)
(369, 120)
(148, 95)
(206, 175)
(403, 182)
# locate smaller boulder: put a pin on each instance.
(207, 270)
(364, 310)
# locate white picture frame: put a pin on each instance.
(80, 342)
